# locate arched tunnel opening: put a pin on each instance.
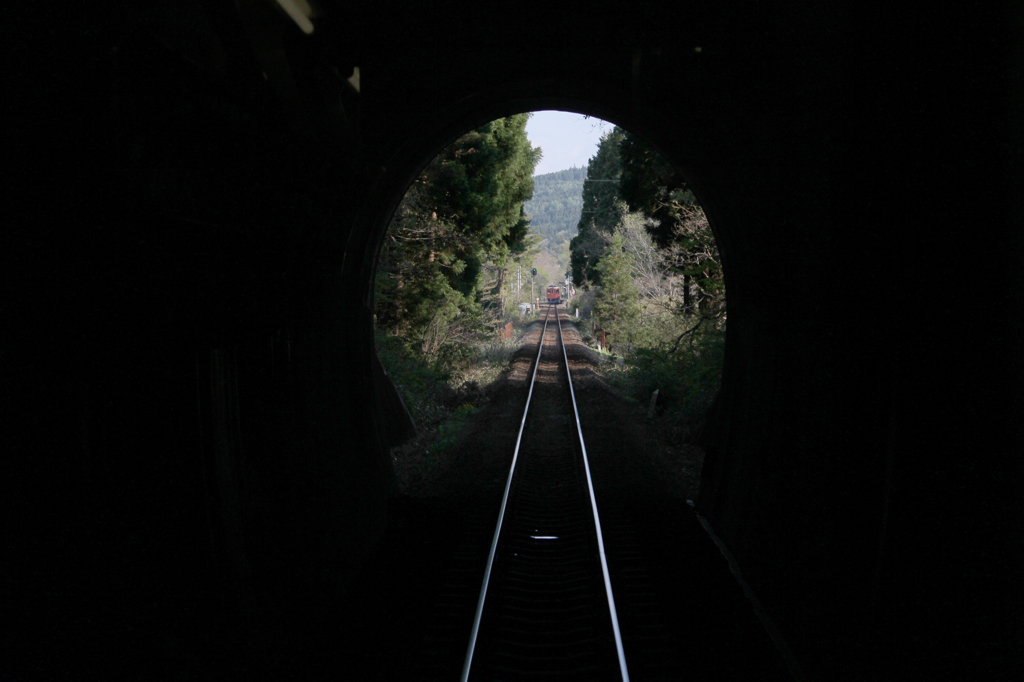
(191, 407)
(451, 473)
(446, 331)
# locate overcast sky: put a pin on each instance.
(567, 139)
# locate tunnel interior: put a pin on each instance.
(191, 413)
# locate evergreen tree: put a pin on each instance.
(617, 305)
(464, 210)
(481, 181)
(652, 185)
(599, 214)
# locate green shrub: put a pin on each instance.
(419, 381)
(686, 379)
(449, 432)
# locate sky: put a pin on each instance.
(566, 139)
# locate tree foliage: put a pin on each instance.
(651, 185)
(599, 215)
(646, 247)
(671, 252)
(662, 283)
(464, 213)
(617, 305)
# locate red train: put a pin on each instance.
(554, 294)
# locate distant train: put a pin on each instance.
(554, 294)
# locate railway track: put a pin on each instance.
(546, 608)
(530, 597)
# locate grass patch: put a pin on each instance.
(421, 383)
(443, 397)
(483, 364)
(687, 381)
(449, 432)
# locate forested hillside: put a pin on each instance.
(554, 212)
(557, 200)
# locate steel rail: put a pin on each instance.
(597, 521)
(501, 514)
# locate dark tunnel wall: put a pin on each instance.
(180, 398)
(198, 205)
